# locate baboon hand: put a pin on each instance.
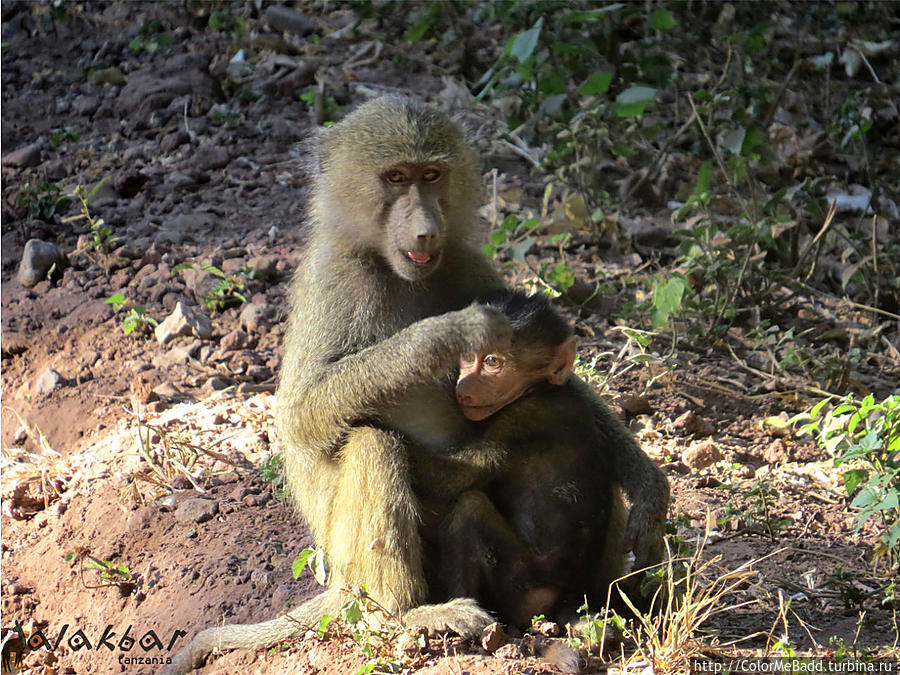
(483, 329)
(645, 536)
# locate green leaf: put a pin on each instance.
(323, 625)
(318, 566)
(524, 43)
(703, 178)
(733, 141)
(854, 478)
(300, 562)
(518, 251)
(418, 31)
(662, 20)
(633, 101)
(667, 297)
(596, 83)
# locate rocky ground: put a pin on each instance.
(200, 189)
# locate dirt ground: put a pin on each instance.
(201, 165)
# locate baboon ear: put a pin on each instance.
(563, 360)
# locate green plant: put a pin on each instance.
(42, 200)
(329, 105)
(151, 37)
(316, 560)
(111, 573)
(229, 118)
(753, 507)
(229, 290)
(227, 22)
(135, 317)
(64, 135)
(864, 437)
(272, 471)
(101, 232)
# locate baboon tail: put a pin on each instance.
(253, 635)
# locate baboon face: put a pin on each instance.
(414, 226)
(398, 180)
(487, 383)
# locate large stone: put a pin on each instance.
(196, 510)
(30, 155)
(37, 259)
(288, 20)
(701, 455)
(49, 381)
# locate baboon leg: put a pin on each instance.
(483, 557)
(373, 533)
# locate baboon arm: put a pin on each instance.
(334, 394)
(643, 482)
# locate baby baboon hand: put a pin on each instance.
(645, 535)
(484, 329)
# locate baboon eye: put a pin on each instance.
(492, 362)
(431, 175)
(395, 176)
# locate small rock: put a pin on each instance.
(636, 405)
(169, 392)
(37, 259)
(265, 265)
(493, 638)
(184, 320)
(509, 651)
(85, 105)
(196, 510)
(174, 140)
(219, 382)
(29, 155)
(236, 339)
(288, 20)
(255, 316)
(547, 628)
(777, 453)
(701, 455)
(411, 643)
(107, 76)
(691, 424)
(49, 381)
(259, 578)
(210, 157)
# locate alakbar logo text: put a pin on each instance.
(15, 649)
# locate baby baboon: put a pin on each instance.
(380, 313)
(544, 526)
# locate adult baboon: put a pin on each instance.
(379, 316)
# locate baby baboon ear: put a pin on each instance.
(563, 361)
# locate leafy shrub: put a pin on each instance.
(864, 436)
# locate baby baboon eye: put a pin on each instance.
(431, 175)
(395, 176)
(492, 362)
